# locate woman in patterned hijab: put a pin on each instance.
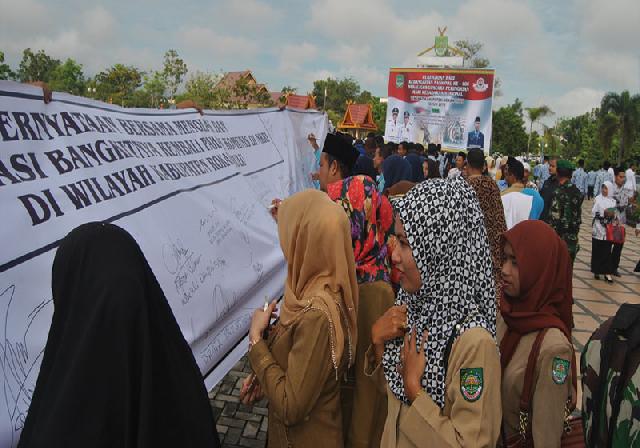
(442, 389)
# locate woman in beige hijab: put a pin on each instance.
(298, 367)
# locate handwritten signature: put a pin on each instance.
(19, 364)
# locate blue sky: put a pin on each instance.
(564, 53)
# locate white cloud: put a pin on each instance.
(22, 16)
(248, 14)
(577, 101)
(202, 38)
(349, 54)
(619, 70)
(314, 75)
(293, 56)
(608, 35)
(368, 77)
(610, 26)
(98, 24)
(351, 20)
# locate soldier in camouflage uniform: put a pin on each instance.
(566, 208)
(611, 402)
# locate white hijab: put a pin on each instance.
(604, 202)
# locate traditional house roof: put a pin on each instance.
(229, 81)
(358, 116)
(275, 97)
(292, 100)
(301, 101)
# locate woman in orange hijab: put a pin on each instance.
(298, 367)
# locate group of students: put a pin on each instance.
(435, 360)
(609, 215)
(407, 320)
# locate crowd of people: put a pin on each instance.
(428, 302)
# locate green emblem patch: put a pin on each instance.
(471, 383)
(399, 81)
(559, 370)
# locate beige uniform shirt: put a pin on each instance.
(298, 378)
(552, 383)
(462, 423)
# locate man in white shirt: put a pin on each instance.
(611, 176)
(623, 197)
(392, 131)
(406, 129)
(517, 205)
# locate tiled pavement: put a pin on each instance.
(595, 301)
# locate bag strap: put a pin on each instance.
(452, 337)
(527, 388)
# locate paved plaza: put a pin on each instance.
(595, 301)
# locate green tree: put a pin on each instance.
(36, 66)
(5, 70)
(154, 87)
(286, 91)
(174, 71)
(379, 112)
(470, 53)
(534, 114)
(365, 97)
(607, 128)
(68, 77)
(289, 89)
(118, 83)
(579, 138)
(508, 134)
(337, 94)
(139, 98)
(625, 108)
(470, 50)
(201, 88)
(552, 142)
(244, 93)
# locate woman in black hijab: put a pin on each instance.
(116, 370)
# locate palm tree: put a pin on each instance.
(534, 114)
(607, 127)
(626, 109)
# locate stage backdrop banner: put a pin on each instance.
(451, 107)
(193, 190)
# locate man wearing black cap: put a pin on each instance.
(337, 160)
(476, 138)
(392, 131)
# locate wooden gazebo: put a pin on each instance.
(358, 120)
(292, 100)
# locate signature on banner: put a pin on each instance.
(20, 364)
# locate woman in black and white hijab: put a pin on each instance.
(436, 348)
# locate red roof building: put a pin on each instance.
(293, 100)
(301, 101)
(358, 120)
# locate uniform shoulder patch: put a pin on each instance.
(471, 383)
(559, 370)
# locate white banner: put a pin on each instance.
(193, 190)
